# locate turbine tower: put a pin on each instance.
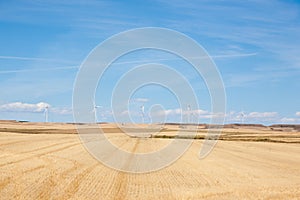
(242, 116)
(143, 113)
(46, 112)
(188, 113)
(95, 109)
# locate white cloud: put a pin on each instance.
(61, 111)
(257, 115)
(179, 111)
(298, 114)
(289, 120)
(176, 111)
(259, 31)
(125, 112)
(24, 107)
(140, 100)
(32, 59)
(33, 108)
(252, 117)
(196, 112)
(38, 69)
(116, 63)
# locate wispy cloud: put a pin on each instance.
(259, 115)
(241, 80)
(140, 100)
(252, 117)
(79, 16)
(270, 27)
(298, 114)
(24, 107)
(61, 111)
(33, 108)
(115, 63)
(38, 69)
(179, 111)
(176, 111)
(289, 120)
(34, 59)
(234, 55)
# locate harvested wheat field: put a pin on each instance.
(48, 161)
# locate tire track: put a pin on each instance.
(29, 139)
(47, 184)
(40, 154)
(5, 182)
(55, 179)
(120, 186)
(51, 182)
(73, 186)
(38, 149)
(17, 176)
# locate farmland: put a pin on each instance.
(48, 161)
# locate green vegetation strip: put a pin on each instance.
(257, 139)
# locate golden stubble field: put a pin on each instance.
(48, 161)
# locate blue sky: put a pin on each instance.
(255, 45)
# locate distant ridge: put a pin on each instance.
(277, 127)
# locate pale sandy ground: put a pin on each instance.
(57, 166)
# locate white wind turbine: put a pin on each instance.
(95, 108)
(143, 113)
(242, 115)
(188, 113)
(46, 112)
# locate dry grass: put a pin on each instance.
(48, 165)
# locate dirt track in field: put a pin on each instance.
(57, 166)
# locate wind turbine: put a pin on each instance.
(95, 109)
(46, 112)
(143, 113)
(189, 112)
(242, 115)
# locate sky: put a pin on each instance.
(254, 44)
